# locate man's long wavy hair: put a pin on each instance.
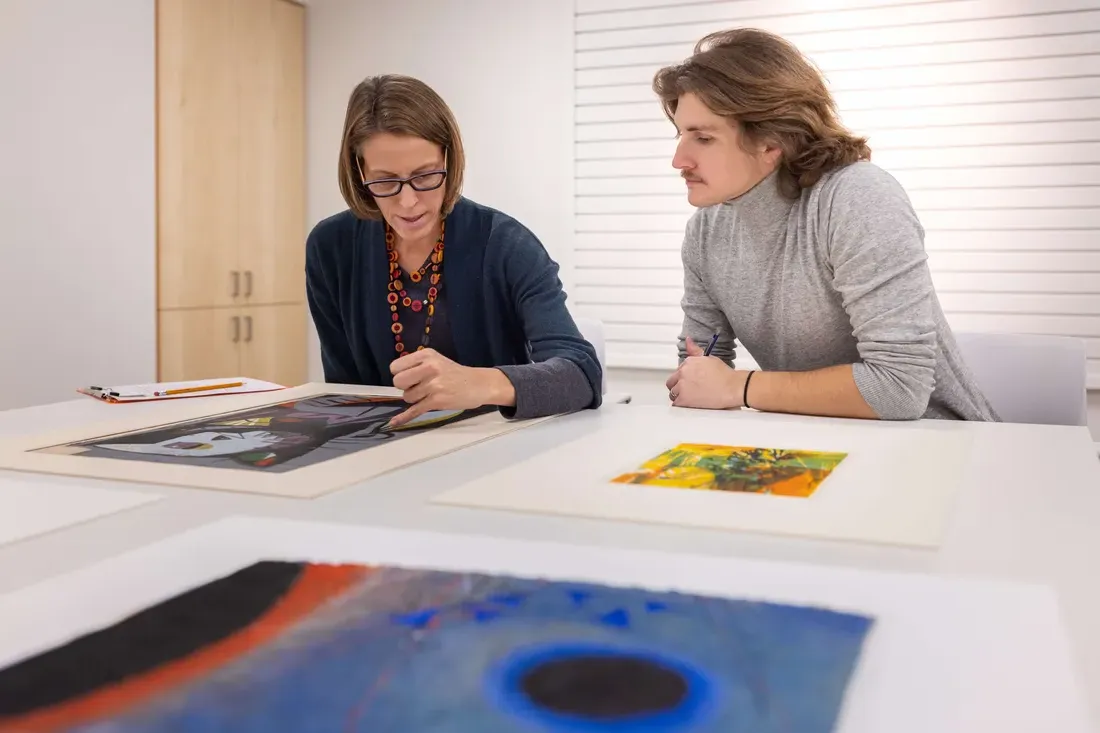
(763, 84)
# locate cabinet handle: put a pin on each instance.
(236, 278)
(247, 328)
(236, 328)
(248, 283)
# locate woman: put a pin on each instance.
(456, 304)
(801, 248)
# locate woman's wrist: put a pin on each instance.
(495, 387)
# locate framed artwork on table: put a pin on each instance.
(300, 442)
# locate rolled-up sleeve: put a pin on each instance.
(565, 374)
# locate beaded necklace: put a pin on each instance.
(398, 295)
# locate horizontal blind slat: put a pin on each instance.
(858, 30)
(1081, 40)
(934, 240)
(922, 199)
(1065, 66)
(826, 14)
(668, 181)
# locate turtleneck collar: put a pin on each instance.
(762, 205)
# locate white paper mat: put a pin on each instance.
(944, 655)
(30, 506)
(896, 485)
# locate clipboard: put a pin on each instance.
(119, 394)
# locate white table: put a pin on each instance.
(1029, 510)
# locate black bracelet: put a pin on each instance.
(745, 395)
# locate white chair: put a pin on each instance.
(1029, 378)
(592, 330)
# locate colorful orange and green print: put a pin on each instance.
(736, 468)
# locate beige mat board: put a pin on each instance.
(896, 484)
(247, 453)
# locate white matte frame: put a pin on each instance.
(945, 654)
(306, 482)
(29, 508)
(896, 485)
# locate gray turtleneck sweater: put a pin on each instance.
(839, 276)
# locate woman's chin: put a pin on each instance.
(407, 228)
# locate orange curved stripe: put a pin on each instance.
(316, 585)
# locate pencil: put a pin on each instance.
(199, 388)
(710, 346)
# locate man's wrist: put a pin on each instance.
(735, 389)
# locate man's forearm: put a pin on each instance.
(828, 392)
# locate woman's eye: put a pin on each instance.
(703, 139)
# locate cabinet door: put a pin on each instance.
(199, 343)
(271, 233)
(197, 141)
(273, 343)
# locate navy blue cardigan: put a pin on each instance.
(505, 302)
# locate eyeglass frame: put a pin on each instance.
(402, 181)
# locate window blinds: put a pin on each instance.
(987, 111)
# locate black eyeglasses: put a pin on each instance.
(384, 187)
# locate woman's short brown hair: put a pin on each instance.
(400, 105)
(774, 94)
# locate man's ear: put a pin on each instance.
(771, 153)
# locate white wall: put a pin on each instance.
(77, 197)
(505, 67)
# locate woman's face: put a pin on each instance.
(412, 214)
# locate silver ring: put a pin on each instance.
(672, 395)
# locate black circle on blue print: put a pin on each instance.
(600, 688)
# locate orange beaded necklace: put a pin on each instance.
(398, 295)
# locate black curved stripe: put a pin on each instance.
(159, 634)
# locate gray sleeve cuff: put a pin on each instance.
(552, 387)
(892, 394)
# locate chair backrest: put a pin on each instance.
(592, 331)
(1029, 378)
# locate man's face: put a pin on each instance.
(712, 156)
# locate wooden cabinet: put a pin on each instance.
(271, 229)
(265, 350)
(197, 343)
(197, 153)
(207, 343)
(231, 189)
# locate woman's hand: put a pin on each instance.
(431, 381)
(705, 382)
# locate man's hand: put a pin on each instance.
(431, 381)
(705, 382)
